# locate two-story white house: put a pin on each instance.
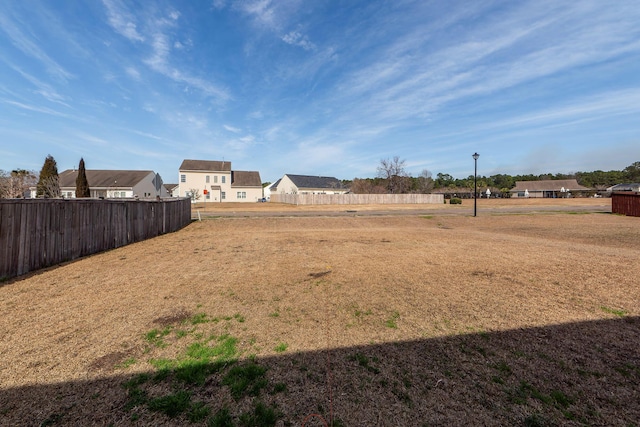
(214, 181)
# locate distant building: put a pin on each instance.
(172, 189)
(634, 187)
(308, 184)
(215, 181)
(112, 184)
(550, 188)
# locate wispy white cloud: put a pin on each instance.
(30, 46)
(413, 80)
(122, 21)
(44, 89)
(133, 73)
(232, 129)
(34, 108)
(295, 38)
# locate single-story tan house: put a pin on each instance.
(550, 188)
(308, 184)
(112, 184)
(215, 181)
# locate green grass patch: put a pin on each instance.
(281, 348)
(199, 361)
(126, 363)
(392, 322)
(619, 313)
(199, 318)
(135, 395)
(245, 380)
(261, 416)
(198, 412)
(155, 337)
(364, 362)
(222, 418)
(171, 405)
(360, 313)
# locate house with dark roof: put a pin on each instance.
(632, 187)
(550, 188)
(113, 183)
(308, 184)
(215, 181)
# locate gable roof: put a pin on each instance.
(308, 181)
(103, 178)
(245, 179)
(633, 186)
(275, 184)
(205, 165)
(548, 185)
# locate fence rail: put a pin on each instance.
(625, 204)
(39, 233)
(357, 199)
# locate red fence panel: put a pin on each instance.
(625, 204)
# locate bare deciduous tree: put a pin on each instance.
(425, 182)
(194, 193)
(393, 171)
(14, 184)
(50, 187)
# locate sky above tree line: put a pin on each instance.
(321, 87)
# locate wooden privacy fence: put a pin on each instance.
(625, 204)
(39, 233)
(357, 199)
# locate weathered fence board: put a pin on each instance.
(625, 204)
(39, 233)
(357, 199)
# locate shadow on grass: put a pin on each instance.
(585, 373)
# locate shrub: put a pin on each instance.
(455, 201)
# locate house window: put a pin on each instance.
(223, 179)
(215, 179)
(242, 194)
(183, 178)
(223, 195)
(207, 179)
(208, 196)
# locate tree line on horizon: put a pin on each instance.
(393, 178)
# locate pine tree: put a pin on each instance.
(82, 185)
(48, 185)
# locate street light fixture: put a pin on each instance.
(475, 183)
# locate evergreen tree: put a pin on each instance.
(48, 185)
(82, 185)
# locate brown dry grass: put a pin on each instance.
(439, 320)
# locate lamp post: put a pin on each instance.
(475, 183)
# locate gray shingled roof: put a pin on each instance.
(625, 187)
(103, 178)
(307, 181)
(549, 185)
(205, 165)
(245, 179)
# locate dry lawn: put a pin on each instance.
(410, 320)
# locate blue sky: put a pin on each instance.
(321, 87)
